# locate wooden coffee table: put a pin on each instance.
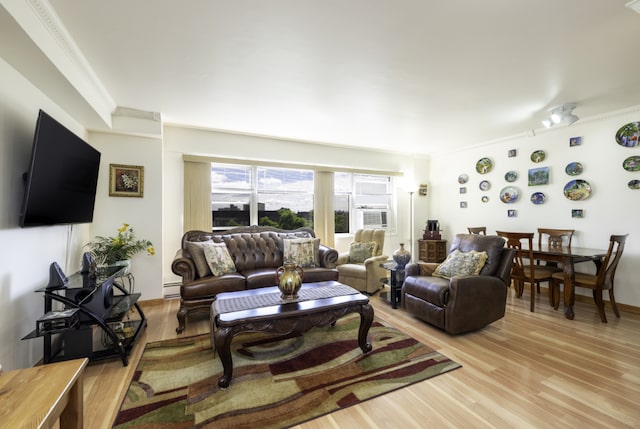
(263, 310)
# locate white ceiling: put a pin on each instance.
(416, 76)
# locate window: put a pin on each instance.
(362, 201)
(250, 195)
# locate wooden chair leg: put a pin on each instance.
(612, 300)
(554, 294)
(533, 297)
(597, 297)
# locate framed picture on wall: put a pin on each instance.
(575, 141)
(126, 180)
(538, 176)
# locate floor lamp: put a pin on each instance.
(411, 223)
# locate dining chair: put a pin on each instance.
(524, 269)
(599, 282)
(477, 230)
(553, 238)
(556, 237)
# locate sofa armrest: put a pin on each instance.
(474, 302)
(327, 256)
(184, 266)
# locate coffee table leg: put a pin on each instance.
(366, 318)
(223, 339)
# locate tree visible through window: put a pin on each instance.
(362, 201)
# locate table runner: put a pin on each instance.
(228, 305)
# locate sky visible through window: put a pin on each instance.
(272, 183)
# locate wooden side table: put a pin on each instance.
(37, 397)
(432, 250)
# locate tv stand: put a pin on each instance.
(95, 320)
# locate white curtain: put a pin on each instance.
(323, 212)
(197, 196)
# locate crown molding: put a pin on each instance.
(38, 20)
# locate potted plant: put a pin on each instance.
(120, 249)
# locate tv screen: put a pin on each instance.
(61, 179)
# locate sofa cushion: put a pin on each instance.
(360, 251)
(260, 277)
(461, 264)
(218, 259)
(210, 286)
(302, 251)
(196, 249)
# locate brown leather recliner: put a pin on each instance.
(462, 303)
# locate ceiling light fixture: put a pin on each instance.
(634, 5)
(561, 114)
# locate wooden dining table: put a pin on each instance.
(568, 257)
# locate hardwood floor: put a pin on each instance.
(528, 370)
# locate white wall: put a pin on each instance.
(180, 140)
(144, 215)
(611, 209)
(26, 254)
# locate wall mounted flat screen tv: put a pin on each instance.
(62, 177)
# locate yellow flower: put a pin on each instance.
(151, 251)
(124, 227)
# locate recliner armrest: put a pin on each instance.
(375, 261)
(420, 269)
(343, 258)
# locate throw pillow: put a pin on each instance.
(196, 249)
(360, 251)
(461, 264)
(303, 251)
(218, 259)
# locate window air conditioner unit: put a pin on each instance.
(373, 219)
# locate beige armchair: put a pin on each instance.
(360, 267)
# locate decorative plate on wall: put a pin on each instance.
(577, 190)
(632, 163)
(462, 179)
(573, 168)
(509, 194)
(538, 198)
(484, 199)
(511, 176)
(538, 156)
(629, 134)
(634, 184)
(485, 185)
(484, 165)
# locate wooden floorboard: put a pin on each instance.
(528, 370)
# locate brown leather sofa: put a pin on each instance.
(257, 253)
(462, 303)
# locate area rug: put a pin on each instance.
(277, 381)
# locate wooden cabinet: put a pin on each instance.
(432, 250)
